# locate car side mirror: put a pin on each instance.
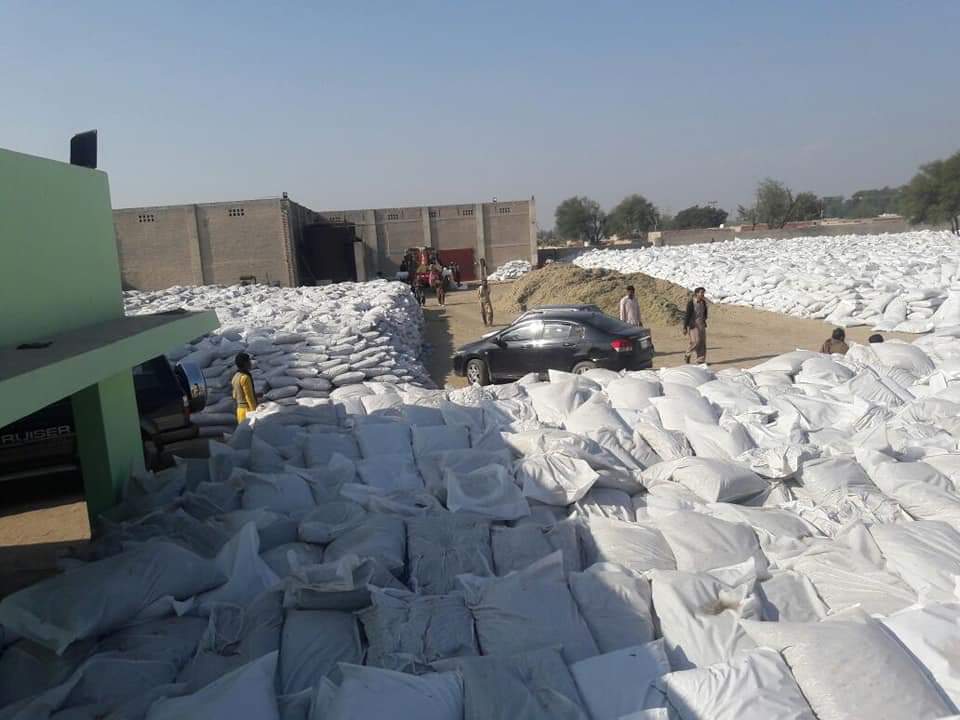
(498, 340)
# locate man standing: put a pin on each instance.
(630, 308)
(695, 326)
(486, 307)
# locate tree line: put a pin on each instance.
(932, 196)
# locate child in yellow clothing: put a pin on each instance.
(243, 392)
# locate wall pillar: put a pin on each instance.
(481, 248)
(427, 230)
(196, 254)
(534, 249)
(108, 438)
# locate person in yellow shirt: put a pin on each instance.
(243, 392)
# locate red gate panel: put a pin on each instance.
(462, 257)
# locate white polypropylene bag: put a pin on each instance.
(932, 634)
(368, 692)
(622, 681)
(280, 492)
(528, 609)
(595, 414)
(408, 632)
(629, 393)
(725, 441)
(516, 548)
(101, 596)
(555, 479)
(488, 491)
(674, 411)
(616, 605)
(712, 479)
(638, 547)
(700, 542)
(311, 645)
(754, 685)
(925, 553)
(700, 614)
(845, 666)
(245, 692)
(444, 545)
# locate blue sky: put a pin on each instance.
(374, 104)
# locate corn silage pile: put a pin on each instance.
(904, 282)
(304, 341)
(779, 543)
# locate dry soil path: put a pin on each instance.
(736, 336)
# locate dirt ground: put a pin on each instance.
(736, 336)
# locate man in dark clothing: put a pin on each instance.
(837, 344)
(695, 326)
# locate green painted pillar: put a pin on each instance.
(108, 438)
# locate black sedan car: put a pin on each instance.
(570, 338)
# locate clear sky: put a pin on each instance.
(376, 104)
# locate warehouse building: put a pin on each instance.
(279, 241)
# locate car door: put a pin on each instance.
(558, 345)
(512, 359)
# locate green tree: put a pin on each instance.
(747, 214)
(870, 203)
(774, 203)
(933, 195)
(698, 216)
(634, 216)
(832, 206)
(580, 218)
(806, 206)
(546, 237)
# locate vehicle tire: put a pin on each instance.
(581, 367)
(477, 372)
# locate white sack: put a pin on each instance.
(245, 692)
(845, 666)
(555, 479)
(754, 685)
(373, 693)
(408, 632)
(700, 614)
(621, 681)
(931, 633)
(702, 543)
(616, 604)
(488, 491)
(61, 610)
(528, 609)
(638, 547)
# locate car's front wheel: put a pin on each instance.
(581, 367)
(477, 372)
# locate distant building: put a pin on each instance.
(277, 240)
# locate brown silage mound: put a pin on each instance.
(661, 301)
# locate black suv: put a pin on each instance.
(573, 338)
(45, 443)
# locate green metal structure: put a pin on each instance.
(62, 328)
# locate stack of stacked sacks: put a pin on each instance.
(774, 543)
(510, 270)
(905, 282)
(304, 341)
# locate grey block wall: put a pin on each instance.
(224, 243)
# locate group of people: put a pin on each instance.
(836, 344)
(437, 278)
(694, 321)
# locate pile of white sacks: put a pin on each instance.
(780, 543)
(304, 341)
(510, 270)
(905, 282)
